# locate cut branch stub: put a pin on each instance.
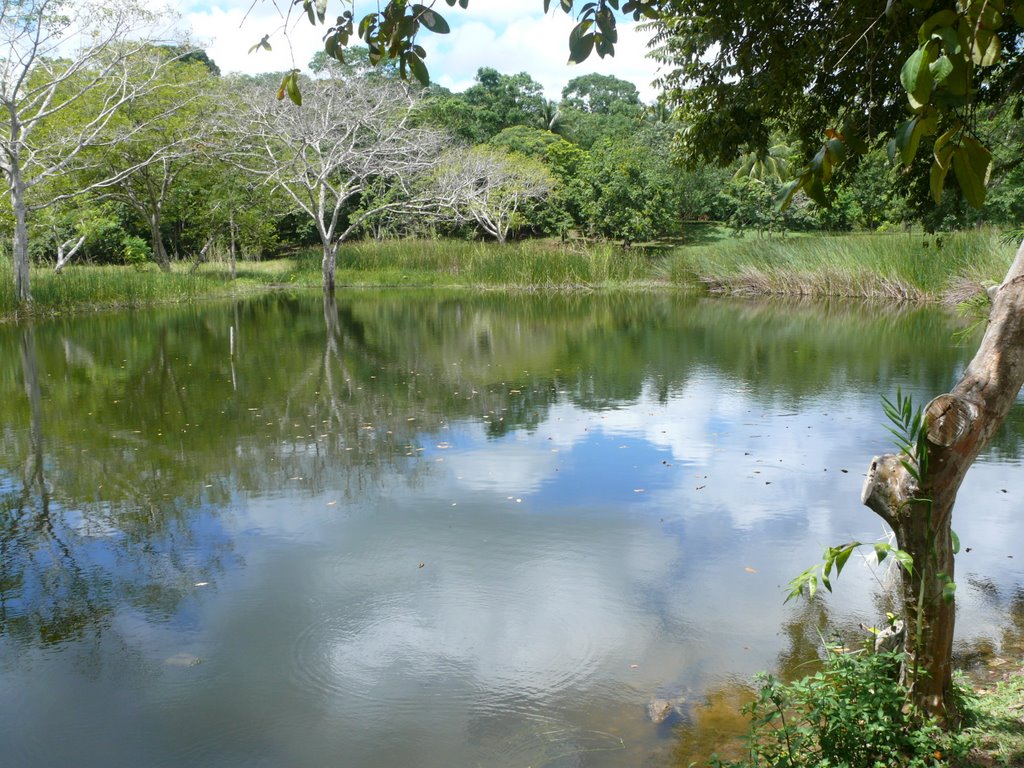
(887, 487)
(949, 418)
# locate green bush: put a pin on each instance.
(135, 250)
(854, 713)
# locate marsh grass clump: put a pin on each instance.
(853, 713)
(534, 264)
(899, 266)
(84, 286)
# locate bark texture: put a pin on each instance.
(959, 425)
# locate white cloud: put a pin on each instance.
(508, 35)
(229, 29)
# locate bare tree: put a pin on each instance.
(492, 188)
(170, 128)
(66, 69)
(348, 153)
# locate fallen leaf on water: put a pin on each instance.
(331, 503)
(748, 569)
(202, 584)
(421, 565)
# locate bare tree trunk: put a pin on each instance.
(959, 425)
(232, 230)
(202, 253)
(19, 249)
(64, 256)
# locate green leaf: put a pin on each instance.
(916, 76)
(432, 20)
(291, 86)
(946, 18)
(852, 137)
(417, 67)
(945, 137)
(949, 591)
(972, 164)
(986, 49)
(837, 150)
(580, 43)
(366, 26)
(904, 559)
(816, 191)
(808, 580)
(821, 165)
(785, 195)
(941, 68)
(881, 551)
(321, 10)
(844, 555)
(908, 136)
(938, 171)
(955, 540)
(264, 44)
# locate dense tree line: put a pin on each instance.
(154, 155)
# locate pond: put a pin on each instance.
(447, 530)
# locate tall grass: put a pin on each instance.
(104, 287)
(892, 266)
(527, 265)
(900, 266)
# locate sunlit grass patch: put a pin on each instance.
(536, 264)
(901, 266)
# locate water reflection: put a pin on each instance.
(441, 530)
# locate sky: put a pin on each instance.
(509, 35)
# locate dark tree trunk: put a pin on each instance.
(958, 425)
(329, 264)
(157, 242)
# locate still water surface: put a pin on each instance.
(444, 531)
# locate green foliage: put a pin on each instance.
(632, 190)
(854, 713)
(600, 94)
(907, 425)
(806, 582)
(135, 250)
(495, 102)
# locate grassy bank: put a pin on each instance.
(86, 288)
(900, 266)
(533, 265)
(536, 264)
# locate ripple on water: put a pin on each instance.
(543, 742)
(488, 652)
